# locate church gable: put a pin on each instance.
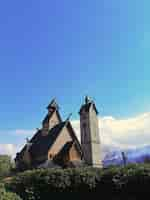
(74, 154)
(54, 120)
(63, 137)
(66, 137)
(68, 153)
(51, 120)
(41, 144)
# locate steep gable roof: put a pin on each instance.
(41, 144)
(64, 150)
(49, 115)
(34, 138)
(76, 141)
(53, 104)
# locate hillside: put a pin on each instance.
(136, 155)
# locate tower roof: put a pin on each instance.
(87, 105)
(52, 107)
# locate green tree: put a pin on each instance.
(4, 195)
(5, 165)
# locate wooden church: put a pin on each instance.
(56, 143)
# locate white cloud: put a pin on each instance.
(123, 133)
(17, 135)
(133, 132)
(7, 149)
(23, 132)
(18, 132)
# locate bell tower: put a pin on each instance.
(52, 118)
(90, 141)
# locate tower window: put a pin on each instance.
(84, 131)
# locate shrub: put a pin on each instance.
(131, 182)
(7, 195)
(41, 183)
(5, 166)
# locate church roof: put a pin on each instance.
(66, 147)
(53, 104)
(64, 151)
(76, 141)
(86, 107)
(49, 115)
(41, 144)
(52, 107)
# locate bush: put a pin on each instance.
(130, 182)
(39, 184)
(7, 195)
(5, 165)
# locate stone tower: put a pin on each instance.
(90, 141)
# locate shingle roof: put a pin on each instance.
(41, 144)
(87, 106)
(75, 139)
(65, 149)
(49, 115)
(53, 104)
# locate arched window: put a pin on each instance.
(50, 156)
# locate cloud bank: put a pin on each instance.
(8, 149)
(123, 134)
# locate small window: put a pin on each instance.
(50, 156)
(84, 131)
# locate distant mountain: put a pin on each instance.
(112, 156)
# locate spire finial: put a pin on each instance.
(53, 104)
(87, 99)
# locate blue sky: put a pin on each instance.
(67, 49)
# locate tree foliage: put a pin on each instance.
(130, 182)
(4, 195)
(5, 165)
